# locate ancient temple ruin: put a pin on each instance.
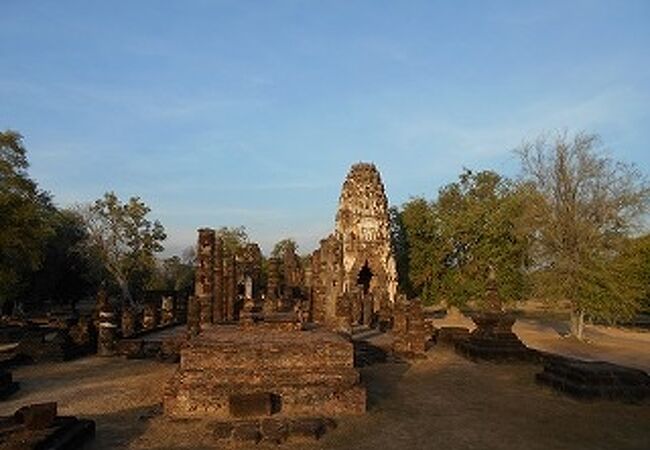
(353, 274)
(222, 276)
(261, 348)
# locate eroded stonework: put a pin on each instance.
(263, 370)
(221, 278)
(353, 273)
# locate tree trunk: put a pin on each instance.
(127, 300)
(578, 323)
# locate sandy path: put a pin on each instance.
(619, 346)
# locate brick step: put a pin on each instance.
(278, 377)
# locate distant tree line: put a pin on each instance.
(569, 230)
(59, 256)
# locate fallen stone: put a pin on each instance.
(37, 416)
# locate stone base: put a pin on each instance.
(411, 335)
(451, 335)
(493, 340)
(272, 430)
(227, 373)
(594, 379)
(167, 350)
(502, 348)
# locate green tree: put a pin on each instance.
(478, 223)
(417, 258)
(24, 211)
(174, 274)
(587, 206)
(638, 268)
(125, 239)
(285, 245)
(234, 239)
(400, 246)
(473, 225)
(67, 273)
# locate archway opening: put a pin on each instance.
(364, 277)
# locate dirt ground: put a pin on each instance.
(444, 401)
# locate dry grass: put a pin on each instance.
(442, 402)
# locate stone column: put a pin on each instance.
(247, 314)
(273, 280)
(356, 306)
(150, 316)
(218, 312)
(231, 288)
(317, 312)
(367, 301)
(129, 322)
(204, 289)
(167, 310)
(107, 330)
(417, 332)
(268, 307)
(399, 315)
(193, 316)
(248, 287)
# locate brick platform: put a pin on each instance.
(230, 372)
(594, 379)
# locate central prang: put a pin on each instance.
(271, 349)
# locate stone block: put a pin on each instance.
(251, 405)
(307, 428)
(274, 430)
(37, 416)
(451, 335)
(247, 431)
(222, 430)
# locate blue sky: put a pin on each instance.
(250, 113)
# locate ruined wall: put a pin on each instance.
(220, 277)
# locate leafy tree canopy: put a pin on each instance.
(283, 246)
(472, 226)
(234, 239)
(587, 207)
(24, 217)
(125, 239)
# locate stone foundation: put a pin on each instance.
(227, 372)
(411, 335)
(494, 340)
(451, 335)
(594, 379)
(272, 430)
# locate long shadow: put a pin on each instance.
(118, 429)
(380, 371)
(381, 382)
